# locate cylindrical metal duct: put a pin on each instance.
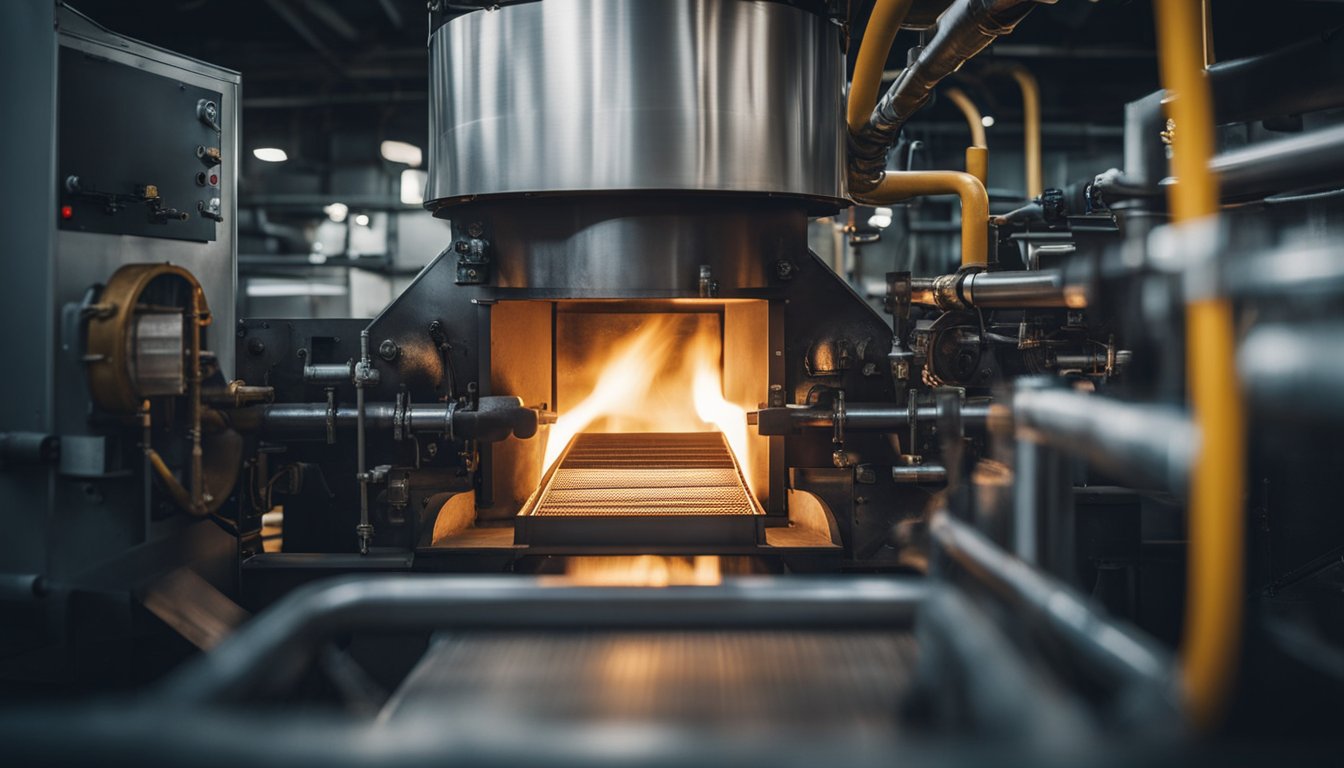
(583, 96)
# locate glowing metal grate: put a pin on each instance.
(634, 485)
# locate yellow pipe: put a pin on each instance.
(897, 186)
(1211, 643)
(1031, 128)
(977, 164)
(974, 121)
(883, 24)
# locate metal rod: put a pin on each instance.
(269, 651)
(862, 417)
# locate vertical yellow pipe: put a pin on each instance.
(1031, 127)
(977, 163)
(972, 114)
(880, 33)
(885, 21)
(1211, 643)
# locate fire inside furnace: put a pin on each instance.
(650, 453)
(649, 374)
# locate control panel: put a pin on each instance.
(138, 153)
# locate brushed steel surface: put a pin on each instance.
(817, 681)
(599, 95)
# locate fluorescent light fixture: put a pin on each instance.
(270, 154)
(401, 152)
(413, 187)
(881, 218)
(337, 212)
(279, 288)
(987, 121)
(362, 219)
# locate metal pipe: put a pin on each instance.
(329, 373)
(862, 417)
(1144, 444)
(1031, 127)
(200, 316)
(883, 24)
(919, 474)
(495, 418)
(974, 120)
(364, 530)
(1295, 372)
(963, 30)
(1126, 658)
(272, 648)
(1043, 289)
(1211, 644)
(1298, 162)
(895, 186)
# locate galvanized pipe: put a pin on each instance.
(1298, 162)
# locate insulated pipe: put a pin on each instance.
(883, 24)
(963, 30)
(896, 186)
(1211, 643)
(1031, 127)
(1146, 445)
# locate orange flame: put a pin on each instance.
(657, 380)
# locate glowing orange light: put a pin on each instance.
(657, 380)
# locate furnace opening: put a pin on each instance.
(656, 370)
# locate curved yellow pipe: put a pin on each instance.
(1031, 127)
(1211, 643)
(974, 120)
(880, 33)
(902, 185)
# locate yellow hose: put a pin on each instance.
(898, 186)
(1031, 127)
(974, 120)
(1214, 592)
(883, 24)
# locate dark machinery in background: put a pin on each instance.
(996, 482)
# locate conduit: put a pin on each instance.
(1213, 613)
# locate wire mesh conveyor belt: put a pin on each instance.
(720, 680)
(662, 488)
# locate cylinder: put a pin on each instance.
(676, 96)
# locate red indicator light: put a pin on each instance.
(67, 212)
(214, 179)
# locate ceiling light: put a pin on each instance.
(413, 187)
(401, 152)
(337, 212)
(987, 121)
(362, 219)
(270, 154)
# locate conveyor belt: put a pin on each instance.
(643, 489)
(718, 680)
